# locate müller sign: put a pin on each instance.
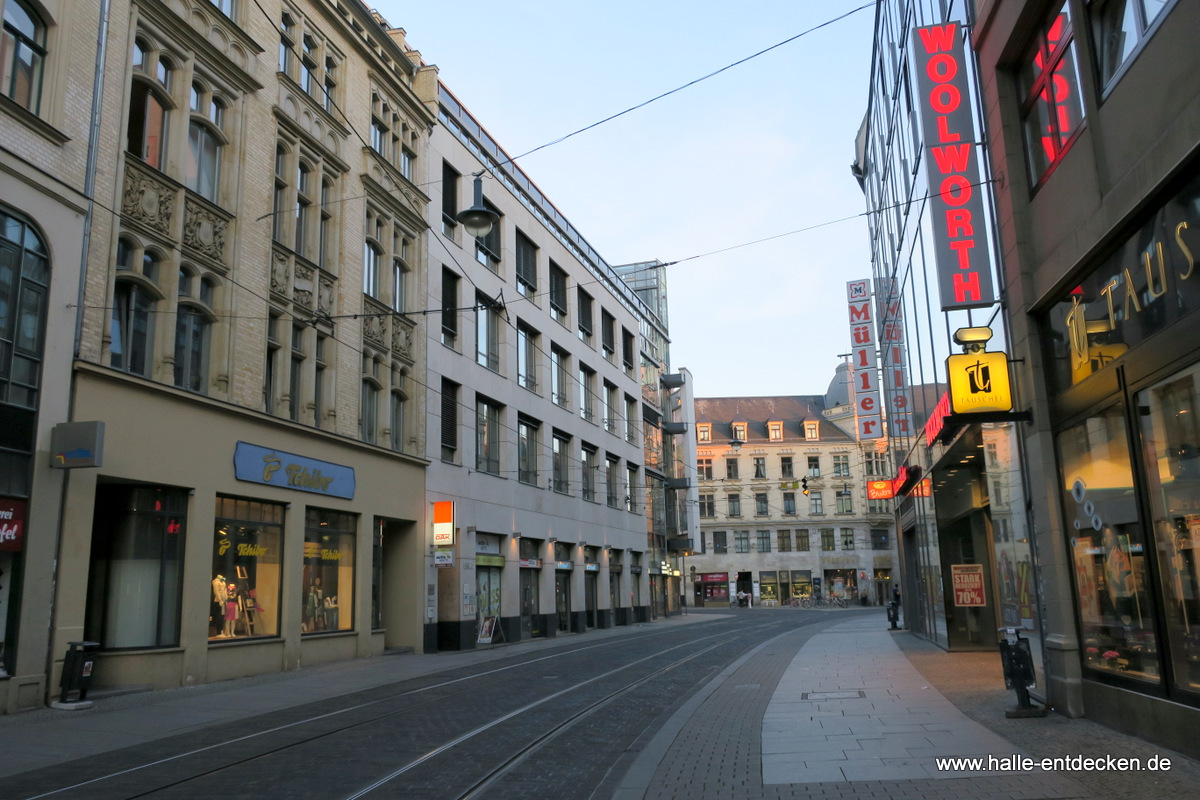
(952, 169)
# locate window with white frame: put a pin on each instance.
(760, 466)
(631, 488)
(775, 431)
(741, 541)
(815, 505)
(704, 432)
(613, 481)
(812, 430)
(609, 411)
(205, 141)
(845, 503)
(739, 431)
(789, 503)
(704, 469)
(631, 420)
(841, 466)
(814, 466)
(764, 541)
(708, 506)
(761, 507)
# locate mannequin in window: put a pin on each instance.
(314, 605)
(231, 609)
(217, 609)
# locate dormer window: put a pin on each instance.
(775, 431)
(739, 431)
(810, 430)
(704, 432)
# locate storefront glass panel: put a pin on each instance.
(247, 553)
(768, 587)
(1116, 616)
(328, 579)
(1171, 443)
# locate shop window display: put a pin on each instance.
(1116, 614)
(328, 580)
(247, 554)
(1171, 442)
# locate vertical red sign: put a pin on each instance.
(952, 169)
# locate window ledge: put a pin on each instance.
(33, 121)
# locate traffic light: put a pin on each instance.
(804, 486)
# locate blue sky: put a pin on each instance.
(760, 150)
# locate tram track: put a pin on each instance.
(259, 749)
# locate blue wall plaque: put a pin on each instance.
(290, 471)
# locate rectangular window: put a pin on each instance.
(789, 503)
(731, 469)
(609, 411)
(560, 379)
(526, 265)
(449, 420)
(487, 436)
(449, 200)
(785, 467)
(319, 378)
(527, 450)
(247, 579)
(735, 505)
(631, 488)
(760, 466)
(558, 293)
(487, 333)
(741, 541)
(845, 503)
(368, 420)
(612, 482)
(880, 539)
(841, 466)
(561, 456)
(847, 538)
(449, 308)
(708, 506)
(137, 567)
(814, 466)
(784, 541)
(627, 352)
(527, 356)
(761, 508)
(815, 506)
(812, 431)
(775, 431)
(739, 431)
(704, 432)
(631, 420)
(296, 378)
(720, 543)
(587, 393)
(704, 469)
(328, 586)
(583, 311)
(827, 541)
(764, 541)
(488, 246)
(1052, 109)
(802, 540)
(591, 464)
(608, 335)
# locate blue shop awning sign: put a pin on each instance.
(289, 471)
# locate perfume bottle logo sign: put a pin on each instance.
(979, 378)
(979, 383)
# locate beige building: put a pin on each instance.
(256, 237)
(783, 504)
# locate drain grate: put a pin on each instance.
(852, 695)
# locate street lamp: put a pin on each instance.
(478, 219)
(735, 445)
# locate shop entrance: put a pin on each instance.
(562, 600)
(531, 620)
(591, 594)
(487, 593)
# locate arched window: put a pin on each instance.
(135, 297)
(399, 398)
(149, 101)
(24, 283)
(193, 323)
(23, 50)
(205, 141)
(280, 198)
(304, 200)
(372, 257)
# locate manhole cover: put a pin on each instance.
(833, 695)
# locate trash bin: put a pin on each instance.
(77, 671)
